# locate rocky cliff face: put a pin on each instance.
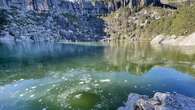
(78, 7)
(39, 20)
(74, 6)
(59, 19)
(132, 4)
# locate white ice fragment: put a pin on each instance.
(53, 85)
(87, 88)
(21, 95)
(40, 100)
(34, 87)
(64, 78)
(81, 82)
(31, 96)
(87, 81)
(96, 85)
(21, 79)
(78, 96)
(44, 109)
(105, 80)
(48, 90)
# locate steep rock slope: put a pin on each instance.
(74, 7)
(39, 20)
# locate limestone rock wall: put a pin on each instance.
(74, 7)
(79, 6)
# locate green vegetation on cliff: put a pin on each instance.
(180, 23)
(150, 21)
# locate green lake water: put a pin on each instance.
(89, 76)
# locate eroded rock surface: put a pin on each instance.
(174, 40)
(160, 101)
(41, 20)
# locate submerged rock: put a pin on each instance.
(160, 101)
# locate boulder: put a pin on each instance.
(174, 40)
(160, 101)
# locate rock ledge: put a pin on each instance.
(160, 101)
(174, 40)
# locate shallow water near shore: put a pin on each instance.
(69, 76)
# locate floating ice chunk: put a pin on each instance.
(34, 87)
(105, 80)
(81, 82)
(96, 85)
(40, 100)
(78, 96)
(44, 109)
(21, 95)
(87, 88)
(31, 96)
(87, 81)
(48, 90)
(53, 85)
(64, 78)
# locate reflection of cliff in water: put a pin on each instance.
(138, 58)
(34, 60)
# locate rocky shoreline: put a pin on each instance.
(162, 40)
(160, 101)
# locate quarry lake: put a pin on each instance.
(89, 76)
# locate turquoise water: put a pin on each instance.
(89, 76)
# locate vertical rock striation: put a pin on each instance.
(60, 19)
